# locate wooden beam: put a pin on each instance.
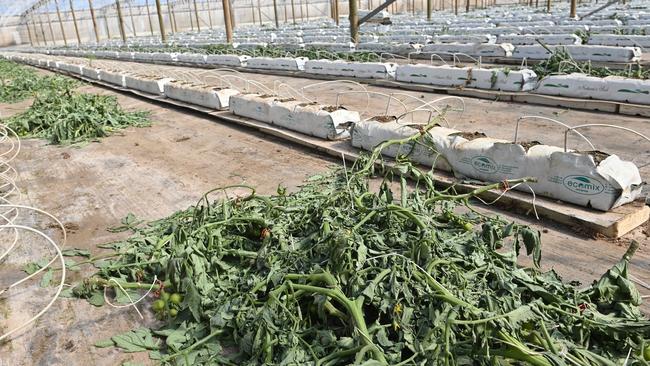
(107, 26)
(354, 21)
(29, 33)
(275, 14)
(149, 17)
(161, 23)
(196, 13)
(74, 21)
(49, 24)
(375, 11)
(226, 20)
(58, 14)
(130, 5)
(120, 20)
(189, 8)
(92, 15)
(35, 31)
(40, 18)
(336, 12)
(210, 15)
(170, 16)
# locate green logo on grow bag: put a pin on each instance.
(634, 91)
(484, 164)
(551, 85)
(583, 185)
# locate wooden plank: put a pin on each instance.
(634, 110)
(553, 101)
(613, 224)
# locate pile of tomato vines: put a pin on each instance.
(64, 116)
(361, 267)
(18, 83)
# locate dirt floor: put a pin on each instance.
(155, 171)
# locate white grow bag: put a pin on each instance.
(281, 63)
(531, 39)
(332, 47)
(450, 76)
(226, 60)
(252, 106)
(582, 53)
(91, 73)
(146, 84)
(568, 176)
(475, 38)
(107, 54)
(398, 49)
(614, 88)
(364, 70)
(619, 40)
(367, 135)
(51, 64)
(191, 58)
(472, 49)
(142, 56)
(312, 119)
(164, 57)
(71, 68)
(202, 95)
(112, 77)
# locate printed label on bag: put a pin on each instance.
(484, 164)
(583, 185)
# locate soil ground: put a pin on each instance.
(155, 171)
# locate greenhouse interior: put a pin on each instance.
(325, 182)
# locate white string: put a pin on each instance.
(59, 255)
(506, 190)
(132, 303)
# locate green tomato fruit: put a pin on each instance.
(646, 353)
(165, 296)
(176, 299)
(173, 312)
(158, 305)
(467, 226)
